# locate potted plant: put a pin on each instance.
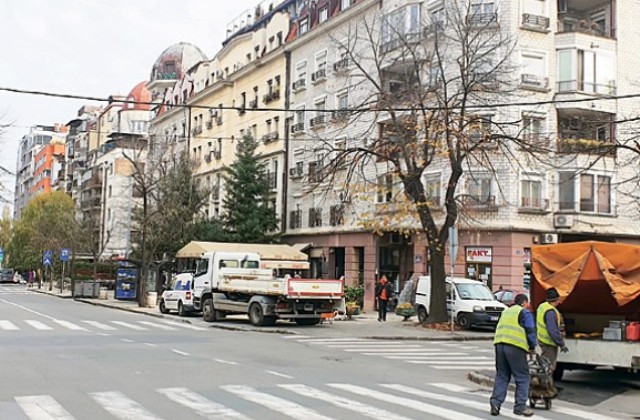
(405, 310)
(353, 298)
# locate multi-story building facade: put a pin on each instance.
(37, 163)
(561, 52)
(83, 137)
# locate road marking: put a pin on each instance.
(556, 409)
(8, 326)
(180, 352)
(329, 340)
(226, 362)
(156, 325)
(282, 375)
(120, 406)
(386, 350)
(38, 325)
(126, 340)
(375, 345)
(128, 325)
(417, 354)
(69, 325)
(201, 405)
(150, 344)
(277, 404)
(295, 336)
(100, 325)
(450, 399)
(405, 402)
(439, 357)
(42, 407)
(185, 325)
(338, 401)
(103, 334)
(27, 309)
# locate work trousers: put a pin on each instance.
(511, 361)
(382, 309)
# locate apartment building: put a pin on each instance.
(38, 163)
(562, 54)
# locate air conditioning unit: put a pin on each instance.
(548, 238)
(563, 220)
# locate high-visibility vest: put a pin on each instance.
(509, 330)
(543, 333)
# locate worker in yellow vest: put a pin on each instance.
(549, 325)
(515, 338)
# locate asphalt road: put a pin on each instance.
(68, 360)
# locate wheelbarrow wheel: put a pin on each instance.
(532, 403)
(547, 403)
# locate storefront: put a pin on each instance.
(478, 263)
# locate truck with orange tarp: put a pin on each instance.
(599, 287)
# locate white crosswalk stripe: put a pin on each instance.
(439, 355)
(100, 325)
(121, 407)
(8, 326)
(201, 405)
(38, 325)
(129, 325)
(298, 401)
(69, 325)
(156, 325)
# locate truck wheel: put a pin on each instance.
(208, 311)
(463, 321)
(163, 308)
(256, 314)
(181, 310)
(422, 314)
(307, 321)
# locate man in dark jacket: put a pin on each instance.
(515, 338)
(383, 294)
(549, 325)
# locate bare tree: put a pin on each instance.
(424, 96)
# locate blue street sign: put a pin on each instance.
(1, 255)
(48, 257)
(65, 254)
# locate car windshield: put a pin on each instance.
(474, 291)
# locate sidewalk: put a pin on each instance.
(364, 325)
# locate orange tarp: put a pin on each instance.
(564, 265)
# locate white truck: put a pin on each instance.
(231, 283)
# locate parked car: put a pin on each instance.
(473, 305)
(179, 295)
(6, 275)
(507, 296)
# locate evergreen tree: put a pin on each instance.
(248, 217)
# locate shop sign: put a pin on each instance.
(479, 254)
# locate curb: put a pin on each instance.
(418, 338)
(106, 305)
(485, 380)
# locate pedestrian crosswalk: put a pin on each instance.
(93, 326)
(285, 400)
(440, 355)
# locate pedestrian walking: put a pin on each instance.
(30, 278)
(515, 338)
(550, 325)
(383, 294)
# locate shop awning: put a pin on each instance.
(302, 247)
(268, 252)
(316, 253)
(564, 265)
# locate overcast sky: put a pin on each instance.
(91, 47)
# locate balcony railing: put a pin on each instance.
(299, 85)
(297, 128)
(482, 19)
(534, 203)
(295, 219)
(317, 121)
(319, 76)
(196, 130)
(486, 203)
(584, 26)
(587, 87)
(341, 65)
(340, 115)
(271, 96)
(535, 21)
(269, 137)
(585, 145)
(534, 81)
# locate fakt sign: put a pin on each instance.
(479, 254)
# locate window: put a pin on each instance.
(343, 100)
(400, 23)
(479, 190)
(110, 190)
(385, 188)
(531, 193)
(533, 64)
(532, 128)
(594, 192)
(586, 71)
(321, 60)
(480, 7)
(345, 4)
(534, 7)
(433, 189)
(323, 15)
(304, 25)
(300, 116)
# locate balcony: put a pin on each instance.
(196, 131)
(298, 128)
(272, 180)
(577, 24)
(479, 203)
(482, 19)
(336, 215)
(271, 96)
(317, 122)
(535, 22)
(270, 137)
(340, 116)
(253, 104)
(533, 205)
(341, 65)
(534, 82)
(319, 76)
(209, 124)
(586, 146)
(219, 121)
(296, 172)
(299, 85)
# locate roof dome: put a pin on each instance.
(139, 93)
(176, 60)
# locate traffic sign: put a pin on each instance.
(48, 257)
(65, 254)
(1, 255)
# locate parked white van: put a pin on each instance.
(179, 295)
(473, 305)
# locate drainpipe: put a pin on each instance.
(287, 104)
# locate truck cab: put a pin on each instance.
(473, 304)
